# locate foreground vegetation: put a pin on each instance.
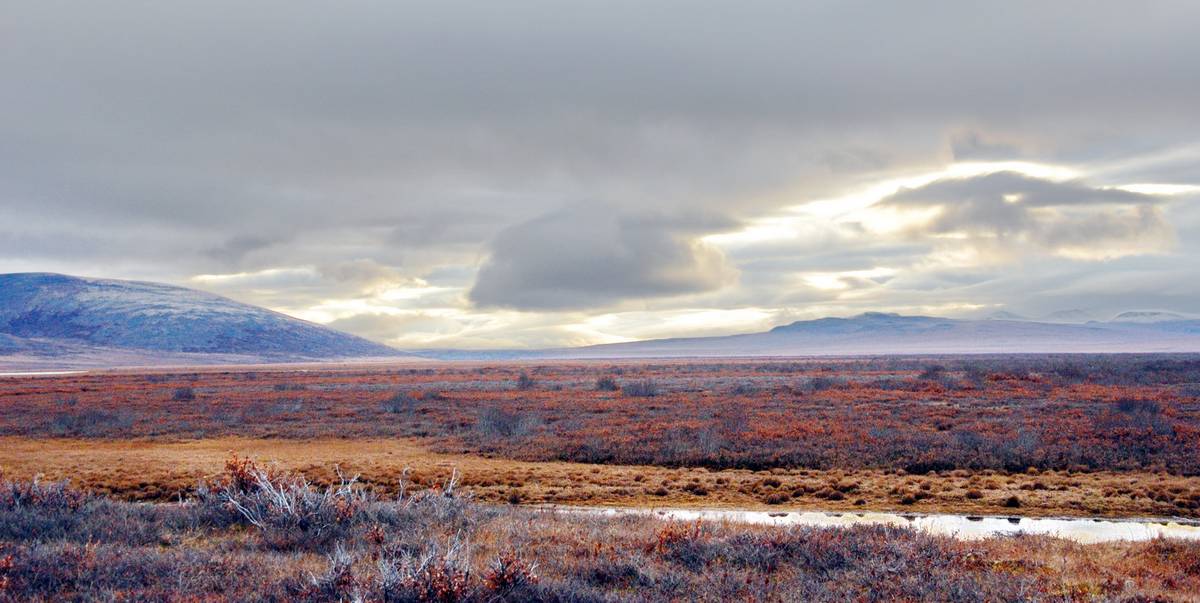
(253, 534)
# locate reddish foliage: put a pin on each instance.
(509, 572)
(1078, 412)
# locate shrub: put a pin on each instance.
(744, 389)
(500, 422)
(41, 496)
(776, 498)
(336, 583)
(607, 384)
(183, 394)
(677, 533)
(399, 403)
(89, 422)
(436, 576)
(509, 573)
(834, 495)
(975, 373)
(932, 372)
(525, 382)
(1012, 502)
(1134, 407)
(822, 383)
(645, 388)
(289, 512)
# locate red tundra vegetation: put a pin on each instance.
(1055, 434)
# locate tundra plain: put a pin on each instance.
(412, 482)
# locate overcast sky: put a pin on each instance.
(496, 174)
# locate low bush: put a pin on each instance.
(41, 496)
(644, 388)
(525, 382)
(607, 384)
(399, 403)
(288, 512)
(496, 422)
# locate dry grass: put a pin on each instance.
(156, 470)
(351, 544)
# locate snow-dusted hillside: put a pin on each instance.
(44, 314)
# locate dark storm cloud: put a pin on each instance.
(589, 256)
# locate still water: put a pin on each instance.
(41, 373)
(958, 526)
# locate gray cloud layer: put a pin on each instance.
(455, 144)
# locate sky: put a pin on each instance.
(547, 173)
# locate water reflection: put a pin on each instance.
(960, 526)
(41, 373)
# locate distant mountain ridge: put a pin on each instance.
(43, 314)
(877, 333)
(1145, 316)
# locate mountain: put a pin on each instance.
(877, 333)
(84, 320)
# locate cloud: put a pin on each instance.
(592, 256)
(1007, 209)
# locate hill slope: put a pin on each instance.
(57, 315)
